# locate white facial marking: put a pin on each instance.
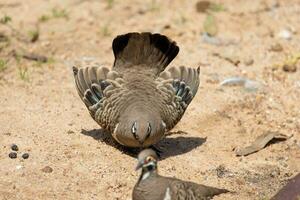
(146, 175)
(133, 128)
(163, 124)
(167, 195)
(115, 131)
(114, 134)
(149, 128)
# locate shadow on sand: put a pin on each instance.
(168, 147)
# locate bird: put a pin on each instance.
(138, 100)
(152, 186)
(290, 191)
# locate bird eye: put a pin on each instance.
(149, 158)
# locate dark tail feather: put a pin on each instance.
(152, 51)
(216, 191)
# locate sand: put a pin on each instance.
(70, 157)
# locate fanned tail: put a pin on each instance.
(153, 51)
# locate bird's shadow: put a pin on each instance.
(168, 146)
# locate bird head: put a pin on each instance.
(147, 160)
(139, 130)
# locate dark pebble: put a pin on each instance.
(12, 155)
(47, 169)
(14, 147)
(221, 171)
(289, 68)
(70, 132)
(25, 156)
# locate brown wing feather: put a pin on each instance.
(178, 87)
(95, 86)
(188, 190)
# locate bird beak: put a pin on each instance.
(139, 165)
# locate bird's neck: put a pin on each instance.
(147, 173)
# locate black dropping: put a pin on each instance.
(25, 156)
(12, 155)
(14, 147)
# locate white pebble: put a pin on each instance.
(19, 166)
(285, 34)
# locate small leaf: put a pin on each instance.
(3, 65)
(5, 19)
(216, 7)
(44, 18)
(34, 35)
(261, 142)
(210, 26)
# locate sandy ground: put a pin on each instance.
(42, 113)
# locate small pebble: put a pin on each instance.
(276, 47)
(210, 39)
(285, 34)
(14, 147)
(249, 61)
(12, 155)
(167, 26)
(252, 86)
(25, 156)
(289, 68)
(221, 171)
(19, 167)
(70, 132)
(47, 169)
(202, 6)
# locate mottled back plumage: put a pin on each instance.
(152, 186)
(137, 101)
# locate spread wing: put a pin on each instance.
(98, 88)
(178, 86)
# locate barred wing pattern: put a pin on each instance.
(178, 86)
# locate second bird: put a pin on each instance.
(137, 101)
